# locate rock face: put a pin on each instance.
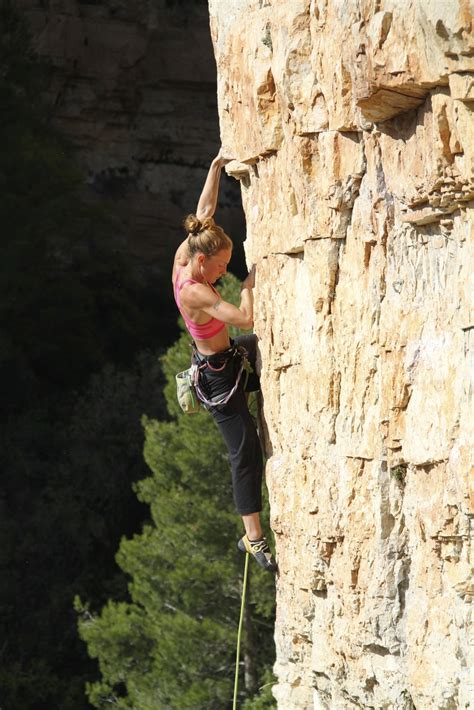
(134, 86)
(352, 124)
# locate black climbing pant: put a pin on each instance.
(234, 420)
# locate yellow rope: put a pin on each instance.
(239, 633)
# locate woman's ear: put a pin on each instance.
(201, 259)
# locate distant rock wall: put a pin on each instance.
(134, 87)
(351, 121)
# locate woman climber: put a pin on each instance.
(199, 261)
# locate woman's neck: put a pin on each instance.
(195, 273)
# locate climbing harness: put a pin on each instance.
(188, 390)
(215, 363)
(207, 363)
(239, 632)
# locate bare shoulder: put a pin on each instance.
(181, 259)
(196, 295)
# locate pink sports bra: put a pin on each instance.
(200, 331)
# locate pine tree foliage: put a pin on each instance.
(66, 501)
(173, 645)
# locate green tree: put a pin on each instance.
(65, 503)
(173, 644)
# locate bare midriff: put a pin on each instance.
(214, 345)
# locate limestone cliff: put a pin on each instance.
(133, 85)
(352, 124)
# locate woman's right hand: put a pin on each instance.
(221, 159)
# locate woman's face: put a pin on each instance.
(213, 267)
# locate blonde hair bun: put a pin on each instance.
(205, 237)
(192, 224)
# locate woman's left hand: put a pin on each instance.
(249, 281)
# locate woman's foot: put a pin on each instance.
(260, 550)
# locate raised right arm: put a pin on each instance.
(208, 200)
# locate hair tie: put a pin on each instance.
(197, 227)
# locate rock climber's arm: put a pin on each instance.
(199, 296)
(242, 317)
(208, 201)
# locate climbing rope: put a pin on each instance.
(239, 632)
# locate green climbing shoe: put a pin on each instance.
(261, 552)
